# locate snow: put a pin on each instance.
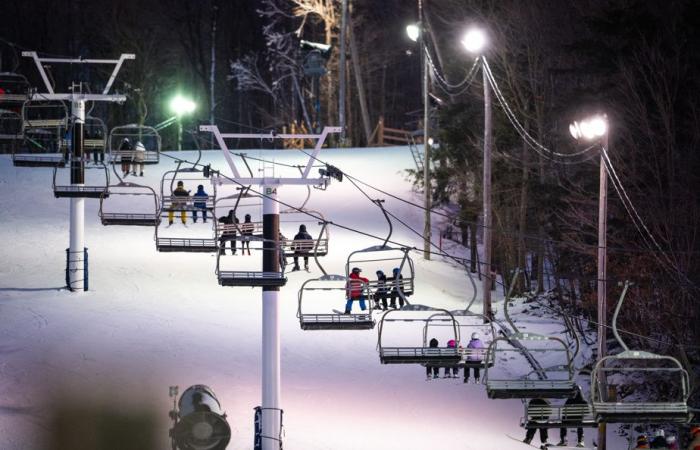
(152, 319)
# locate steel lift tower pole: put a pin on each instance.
(77, 264)
(271, 373)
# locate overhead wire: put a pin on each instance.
(439, 253)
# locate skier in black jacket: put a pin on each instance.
(573, 418)
(302, 245)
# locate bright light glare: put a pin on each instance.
(474, 40)
(575, 130)
(180, 105)
(430, 141)
(589, 129)
(413, 32)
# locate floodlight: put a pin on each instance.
(413, 32)
(474, 40)
(589, 129)
(181, 106)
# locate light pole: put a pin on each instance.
(180, 106)
(591, 129)
(416, 33)
(474, 42)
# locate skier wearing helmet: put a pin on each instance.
(396, 281)
(381, 292)
(179, 204)
(454, 369)
(355, 289)
(475, 354)
(694, 438)
(659, 440)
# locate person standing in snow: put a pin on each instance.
(139, 157)
(200, 202)
(429, 368)
(381, 293)
(228, 233)
(454, 369)
(573, 417)
(177, 204)
(355, 290)
(302, 244)
(397, 282)
(475, 354)
(530, 433)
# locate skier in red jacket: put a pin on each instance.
(355, 290)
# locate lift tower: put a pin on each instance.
(77, 254)
(271, 277)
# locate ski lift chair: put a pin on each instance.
(248, 278)
(148, 136)
(10, 125)
(144, 195)
(44, 125)
(636, 370)
(304, 247)
(557, 416)
(95, 132)
(470, 358)
(332, 321)
(171, 203)
(555, 381)
(436, 356)
(385, 258)
(82, 190)
(236, 202)
(14, 90)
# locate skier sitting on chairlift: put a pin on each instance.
(475, 350)
(302, 244)
(229, 233)
(454, 369)
(430, 369)
(354, 290)
(575, 418)
(200, 202)
(395, 290)
(381, 293)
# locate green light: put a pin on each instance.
(181, 106)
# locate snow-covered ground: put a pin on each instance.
(152, 319)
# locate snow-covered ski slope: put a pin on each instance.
(152, 319)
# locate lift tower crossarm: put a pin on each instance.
(116, 62)
(320, 140)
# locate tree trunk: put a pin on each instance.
(355, 56)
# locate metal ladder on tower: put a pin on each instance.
(416, 153)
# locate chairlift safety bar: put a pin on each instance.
(87, 97)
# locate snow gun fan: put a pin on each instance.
(634, 371)
(198, 421)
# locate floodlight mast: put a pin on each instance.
(77, 253)
(270, 410)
